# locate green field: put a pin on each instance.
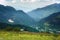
(27, 36)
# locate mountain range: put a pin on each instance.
(12, 16)
(16, 27)
(40, 13)
(51, 23)
(45, 19)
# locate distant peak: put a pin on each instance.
(20, 11)
(56, 4)
(1, 5)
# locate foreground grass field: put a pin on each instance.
(27, 36)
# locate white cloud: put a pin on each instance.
(33, 1)
(13, 1)
(28, 5)
(3, 2)
(58, 2)
(10, 20)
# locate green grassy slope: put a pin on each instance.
(27, 36)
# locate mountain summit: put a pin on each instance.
(40, 13)
(12, 16)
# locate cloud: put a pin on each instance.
(11, 1)
(8, 0)
(28, 1)
(3, 2)
(33, 1)
(29, 5)
(14, 1)
(10, 20)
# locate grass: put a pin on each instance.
(4, 35)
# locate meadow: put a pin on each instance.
(4, 35)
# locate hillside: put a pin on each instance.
(51, 23)
(16, 27)
(10, 15)
(40, 13)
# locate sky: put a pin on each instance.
(28, 5)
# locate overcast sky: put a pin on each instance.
(28, 5)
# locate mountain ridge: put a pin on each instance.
(10, 15)
(51, 22)
(40, 13)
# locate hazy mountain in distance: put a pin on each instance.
(40, 13)
(23, 18)
(51, 22)
(12, 16)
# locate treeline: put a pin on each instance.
(10, 27)
(16, 27)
